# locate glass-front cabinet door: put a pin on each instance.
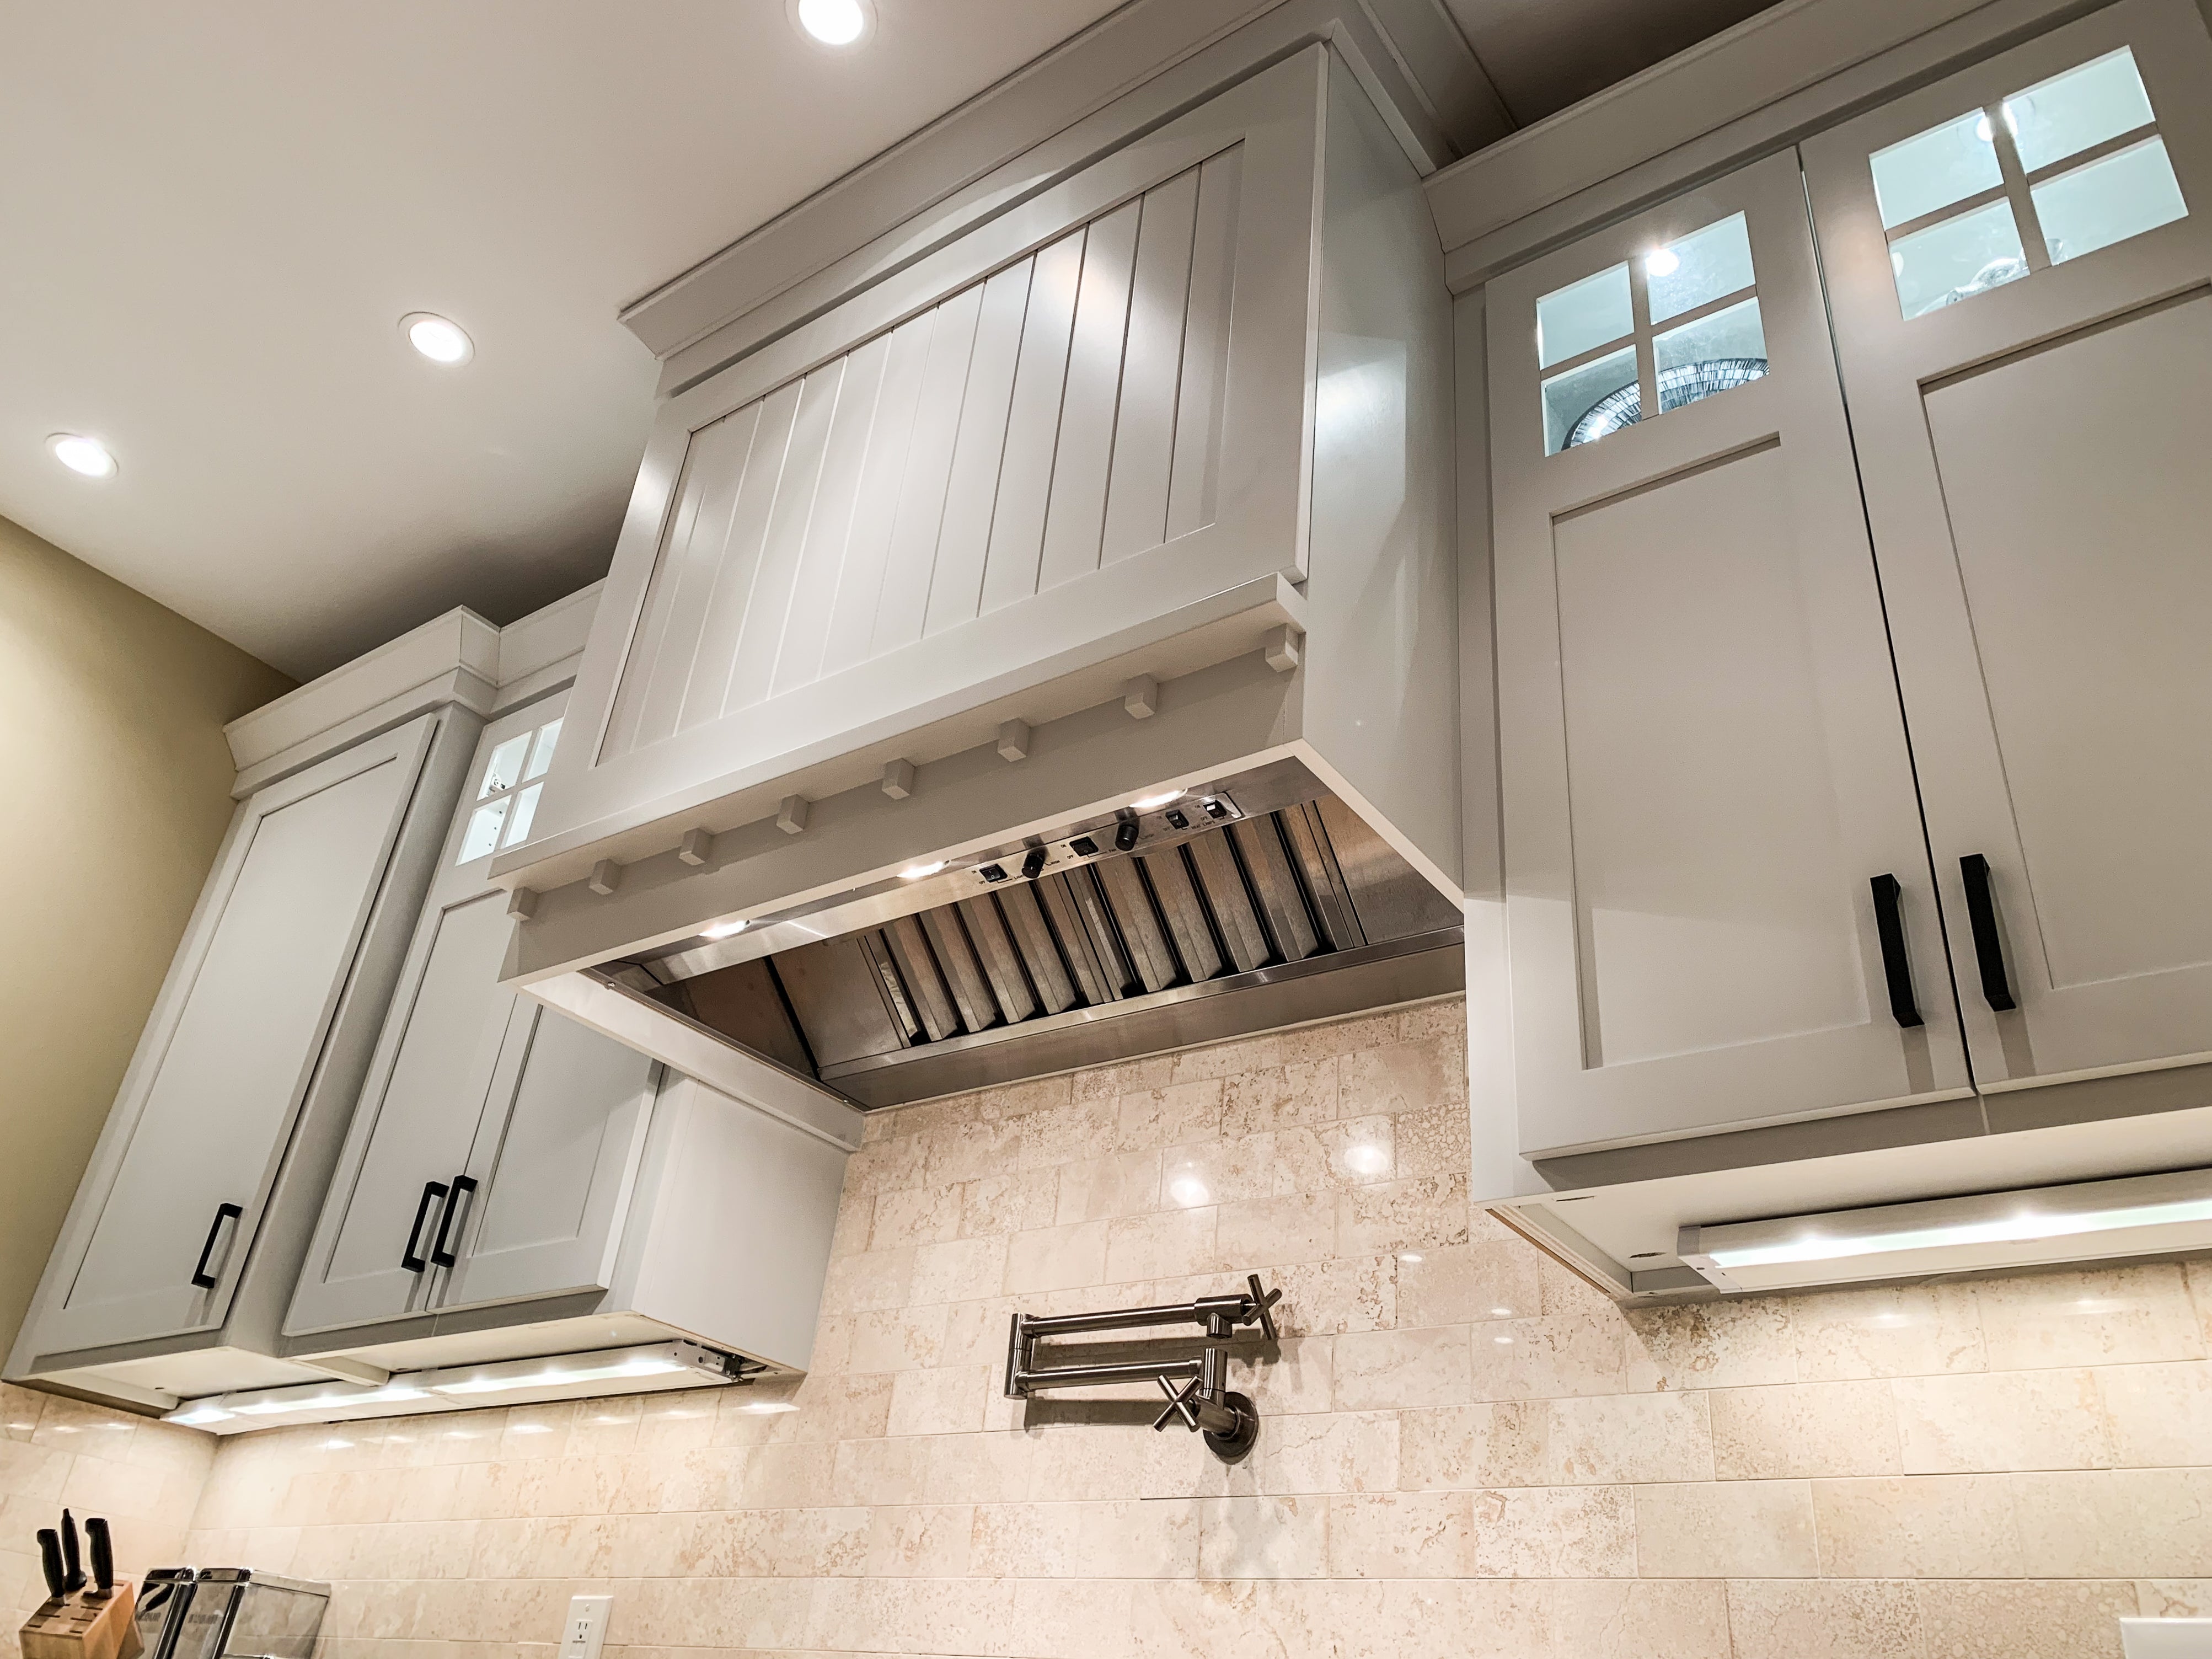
(2019, 265)
(479, 1103)
(1719, 898)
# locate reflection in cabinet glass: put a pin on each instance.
(504, 818)
(2066, 167)
(1600, 328)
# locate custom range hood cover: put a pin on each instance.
(1261, 903)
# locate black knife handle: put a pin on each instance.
(101, 1548)
(72, 1567)
(223, 1213)
(50, 1558)
(1982, 922)
(1896, 966)
(462, 1186)
(432, 1191)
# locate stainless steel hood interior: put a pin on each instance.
(1259, 902)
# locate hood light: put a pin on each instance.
(1148, 803)
(916, 871)
(724, 929)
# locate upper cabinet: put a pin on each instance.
(1719, 903)
(1758, 660)
(2019, 258)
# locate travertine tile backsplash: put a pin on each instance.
(146, 1478)
(1465, 1450)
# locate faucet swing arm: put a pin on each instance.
(1203, 1403)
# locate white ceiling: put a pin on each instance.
(215, 216)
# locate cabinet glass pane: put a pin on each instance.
(1695, 269)
(1573, 414)
(541, 756)
(1957, 259)
(483, 836)
(2112, 198)
(505, 770)
(1583, 316)
(1935, 169)
(525, 808)
(2068, 113)
(1714, 354)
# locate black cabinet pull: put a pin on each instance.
(1982, 920)
(462, 1186)
(201, 1276)
(432, 1191)
(1896, 966)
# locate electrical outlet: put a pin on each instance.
(585, 1631)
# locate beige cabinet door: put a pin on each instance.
(2021, 311)
(1718, 899)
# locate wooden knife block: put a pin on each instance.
(85, 1625)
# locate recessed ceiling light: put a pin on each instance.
(440, 340)
(81, 454)
(834, 22)
(1661, 262)
(724, 929)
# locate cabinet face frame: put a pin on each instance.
(319, 1301)
(1890, 366)
(1259, 529)
(173, 1311)
(1567, 1102)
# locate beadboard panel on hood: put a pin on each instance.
(1061, 414)
(1056, 440)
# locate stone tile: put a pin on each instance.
(1612, 1439)
(1710, 1345)
(1786, 1618)
(1549, 1358)
(1554, 1532)
(2158, 1415)
(1894, 1330)
(2173, 1598)
(1434, 1141)
(1263, 1537)
(945, 1402)
(2052, 1419)
(1007, 1204)
(1057, 1258)
(1223, 1060)
(1419, 1214)
(1179, 1112)
(1217, 1171)
(903, 1339)
(1442, 1619)
(957, 1271)
(1726, 1529)
(1101, 1188)
(1399, 1534)
(2115, 1523)
(1280, 1097)
(1327, 1452)
(1963, 1619)
(1502, 1445)
(915, 1215)
(1460, 1284)
(1159, 1246)
(1260, 1233)
(1323, 1298)
(1800, 1429)
(1618, 1619)
(2106, 1317)
(1919, 1526)
(1396, 1077)
(1389, 1371)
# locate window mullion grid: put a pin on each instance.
(1647, 362)
(2028, 223)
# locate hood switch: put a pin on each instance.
(992, 872)
(1083, 847)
